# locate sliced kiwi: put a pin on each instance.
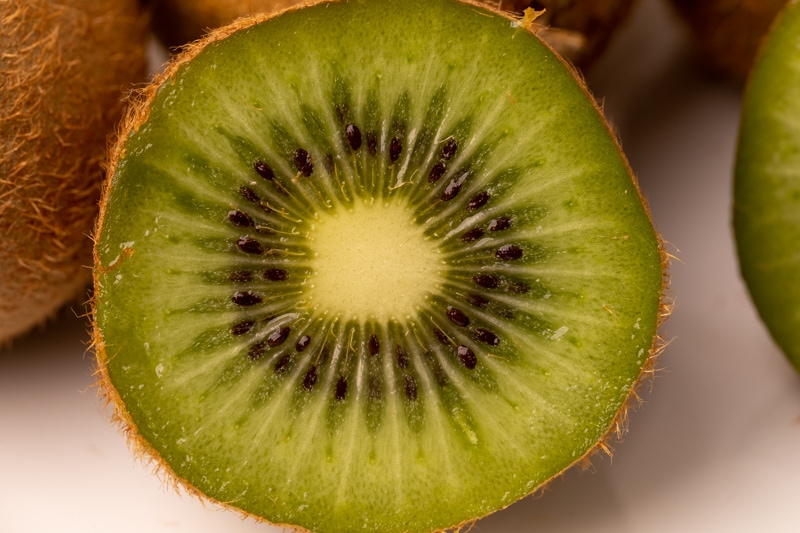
(766, 214)
(371, 266)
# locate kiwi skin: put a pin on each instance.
(136, 117)
(577, 29)
(728, 33)
(65, 67)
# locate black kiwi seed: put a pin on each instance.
(276, 274)
(249, 194)
(302, 343)
(246, 298)
(452, 189)
(257, 351)
(330, 164)
(476, 300)
(518, 287)
(242, 220)
(478, 201)
(487, 280)
(402, 357)
(302, 161)
(395, 149)
(457, 317)
(449, 149)
(353, 135)
(467, 357)
(264, 170)
(372, 142)
(242, 327)
(283, 364)
(509, 252)
(410, 385)
(472, 235)
(375, 391)
(443, 338)
(437, 171)
(277, 337)
(341, 389)
(310, 379)
(499, 224)
(249, 245)
(486, 337)
(374, 345)
(241, 276)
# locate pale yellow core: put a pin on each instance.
(371, 261)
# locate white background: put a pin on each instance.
(714, 448)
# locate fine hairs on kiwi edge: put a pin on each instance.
(343, 283)
(65, 69)
(579, 30)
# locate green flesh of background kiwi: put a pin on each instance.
(372, 266)
(767, 183)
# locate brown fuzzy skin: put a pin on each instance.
(578, 29)
(137, 115)
(64, 68)
(728, 33)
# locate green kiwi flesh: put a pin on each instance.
(766, 214)
(372, 266)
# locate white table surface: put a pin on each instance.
(714, 448)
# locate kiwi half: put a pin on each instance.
(371, 266)
(766, 216)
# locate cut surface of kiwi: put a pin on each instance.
(766, 214)
(371, 266)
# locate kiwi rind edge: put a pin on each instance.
(137, 114)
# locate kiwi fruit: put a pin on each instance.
(577, 29)
(371, 265)
(767, 184)
(65, 68)
(728, 33)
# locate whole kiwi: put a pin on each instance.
(372, 266)
(728, 33)
(65, 68)
(578, 29)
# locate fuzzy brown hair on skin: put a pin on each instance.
(728, 33)
(65, 67)
(579, 30)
